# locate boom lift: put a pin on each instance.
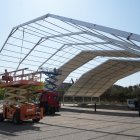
(18, 102)
(49, 98)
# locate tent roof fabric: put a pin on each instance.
(96, 81)
(84, 57)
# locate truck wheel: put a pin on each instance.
(35, 120)
(1, 117)
(16, 118)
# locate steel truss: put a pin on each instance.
(53, 41)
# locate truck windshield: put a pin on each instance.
(131, 102)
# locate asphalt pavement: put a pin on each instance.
(76, 123)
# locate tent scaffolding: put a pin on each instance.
(75, 47)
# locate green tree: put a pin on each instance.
(2, 90)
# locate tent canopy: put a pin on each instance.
(53, 41)
(96, 81)
(78, 60)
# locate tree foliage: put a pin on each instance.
(121, 94)
(2, 93)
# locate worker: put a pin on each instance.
(6, 73)
(6, 76)
(46, 107)
(55, 71)
(136, 103)
(139, 106)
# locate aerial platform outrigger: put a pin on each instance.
(18, 102)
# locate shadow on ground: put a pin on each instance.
(106, 112)
(9, 129)
(108, 107)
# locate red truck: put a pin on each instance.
(49, 101)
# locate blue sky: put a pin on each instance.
(119, 14)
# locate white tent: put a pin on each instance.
(85, 56)
(96, 81)
(53, 41)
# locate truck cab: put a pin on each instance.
(132, 103)
(50, 102)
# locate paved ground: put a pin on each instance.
(74, 123)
